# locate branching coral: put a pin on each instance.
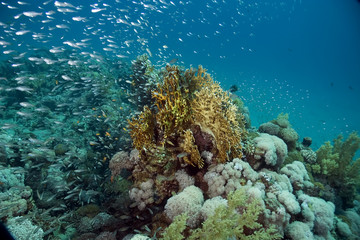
(193, 156)
(182, 102)
(215, 114)
(142, 129)
(190, 114)
(174, 231)
(172, 102)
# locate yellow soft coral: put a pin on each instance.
(172, 102)
(142, 129)
(193, 158)
(215, 114)
(182, 103)
(199, 79)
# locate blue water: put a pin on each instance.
(296, 57)
(302, 58)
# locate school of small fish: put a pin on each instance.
(65, 80)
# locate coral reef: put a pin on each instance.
(123, 160)
(23, 229)
(352, 218)
(280, 196)
(143, 80)
(184, 179)
(198, 169)
(142, 129)
(308, 155)
(101, 220)
(175, 229)
(197, 156)
(190, 120)
(297, 174)
(218, 116)
(16, 198)
(298, 231)
(188, 201)
(235, 218)
(318, 214)
(336, 165)
(225, 178)
(192, 157)
(270, 149)
(144, 194)
(281, 128)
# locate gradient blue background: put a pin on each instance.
(296, 57)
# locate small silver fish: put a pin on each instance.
(22, 32)
(32, 14)
(66, 78)
(24, 89)
(24, 114)
(63, 4)
(174, 60)
(26, 104)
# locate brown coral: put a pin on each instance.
(216, 115)
(190, 114)
(172, 102)
(193, 156)
(142, 129)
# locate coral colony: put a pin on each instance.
(171, 155)
(209, 176)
